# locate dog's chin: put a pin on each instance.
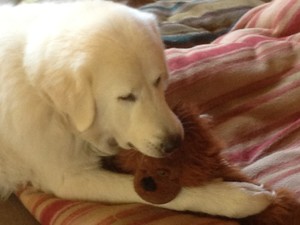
(113, 143)
(154, 153)
(112, 147)
(108, 148)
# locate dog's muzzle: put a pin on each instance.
(166, 146)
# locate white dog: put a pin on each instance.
(77, 82)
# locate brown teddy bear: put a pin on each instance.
(196, 161)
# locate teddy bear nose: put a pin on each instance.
(171, 143)
(148, 184)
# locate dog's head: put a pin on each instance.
(108, 76)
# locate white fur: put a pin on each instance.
(65, 70)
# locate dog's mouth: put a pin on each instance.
(113, 143)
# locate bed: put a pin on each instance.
(237, 61)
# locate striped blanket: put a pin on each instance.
(249, 81)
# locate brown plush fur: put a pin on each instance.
(198, 160)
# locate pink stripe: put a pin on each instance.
(250, 105)
(50, 210)
(181, 63)
(250, 154)
(124, 214)
(293, 26)
(62, 211)
(133, 211)
(277, 166)
(282, 12)
(157, 216)
(80, 212)
(173, 52)
(250, 44)
(39, 202)
(213, 103)
(293, 38)
(265, 129)
(283, 176)
(257, 38)
(248, 61)
(185, 61)
(197, 76)
(243, 22)
(249, 16)
(255, 18)
(250, 88)
(108, 220)
(199, 73)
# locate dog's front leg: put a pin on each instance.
(98, 185)
(230, 199)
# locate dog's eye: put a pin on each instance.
(130, 97)
(157, 82)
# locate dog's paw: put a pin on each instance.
(247, 199)
(229, 199)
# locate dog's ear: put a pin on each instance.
(72, 95)
(68, 91)
(57, 67)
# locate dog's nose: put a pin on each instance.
(171, 143)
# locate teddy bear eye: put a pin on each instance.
(130, 97)
(163, 172)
